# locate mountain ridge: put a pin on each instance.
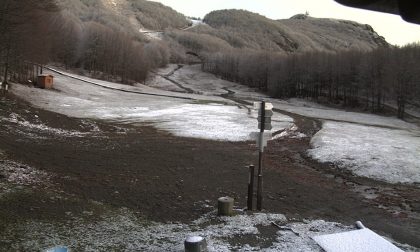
(298, 33)
(228, 28)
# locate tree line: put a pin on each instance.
(370, 80)
(37, 31)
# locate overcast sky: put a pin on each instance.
(392, 27)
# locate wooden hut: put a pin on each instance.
(45, 81)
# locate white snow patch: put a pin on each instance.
(310, 109)
(124, 231)
(13, 175)
(159, 82)
(208, 84)
(210, 121)
(290, 132)
(20, 121)
(385, 154)
(206, 120)
(194, 239)
(355, 241)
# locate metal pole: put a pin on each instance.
(260, 158)
(251, 187)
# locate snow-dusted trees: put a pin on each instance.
(251, 68)
(370, 80)
(156, 16)
(111, 54)
(404, 76)
(68, 31)
(157, 54)
(198, 43)
(40, 32)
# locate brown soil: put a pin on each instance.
(162, 177)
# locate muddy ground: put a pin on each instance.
(163, 178)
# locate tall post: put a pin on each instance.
(251, 187)
(260, 158)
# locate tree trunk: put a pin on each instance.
(401, 106)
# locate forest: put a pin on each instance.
(370, 80)
(40, 32)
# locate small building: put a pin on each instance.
(45, 81)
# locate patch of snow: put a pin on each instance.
(13, 175)
(355, 241)
(159, 82)
(384, 154)
(16, 119)
(290, 132)
(191, 76)
(210, 121)
(299, 135)
(167, 70)
(194, 23)
(194, 239)
(310, 109)
(154, 35)
(206, 119)
(124, 231)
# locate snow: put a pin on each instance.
(210, 121)
(194, 23)
(58, 249)
(122, 230)
(373, 146)
(186, 115)
(378, 147)
(363, 240)
(207, 84)
(390, 155)
(194, 239)
(13, 176)
(163, 84)
(291, 132)
(18, 121)
(314, 110)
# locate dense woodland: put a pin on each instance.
(85, 35)
(22, 29)
(33, 31)
(150, 15)
(372, 80)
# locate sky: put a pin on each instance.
(395, 30)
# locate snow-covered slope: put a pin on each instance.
(186, 115)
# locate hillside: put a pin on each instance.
(243, 29)
(226, 29)
(123, 15)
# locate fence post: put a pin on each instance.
(251, 187)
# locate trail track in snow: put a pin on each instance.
(167, 77)
(119, 89)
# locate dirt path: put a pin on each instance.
(164, 178)
(168, 77)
